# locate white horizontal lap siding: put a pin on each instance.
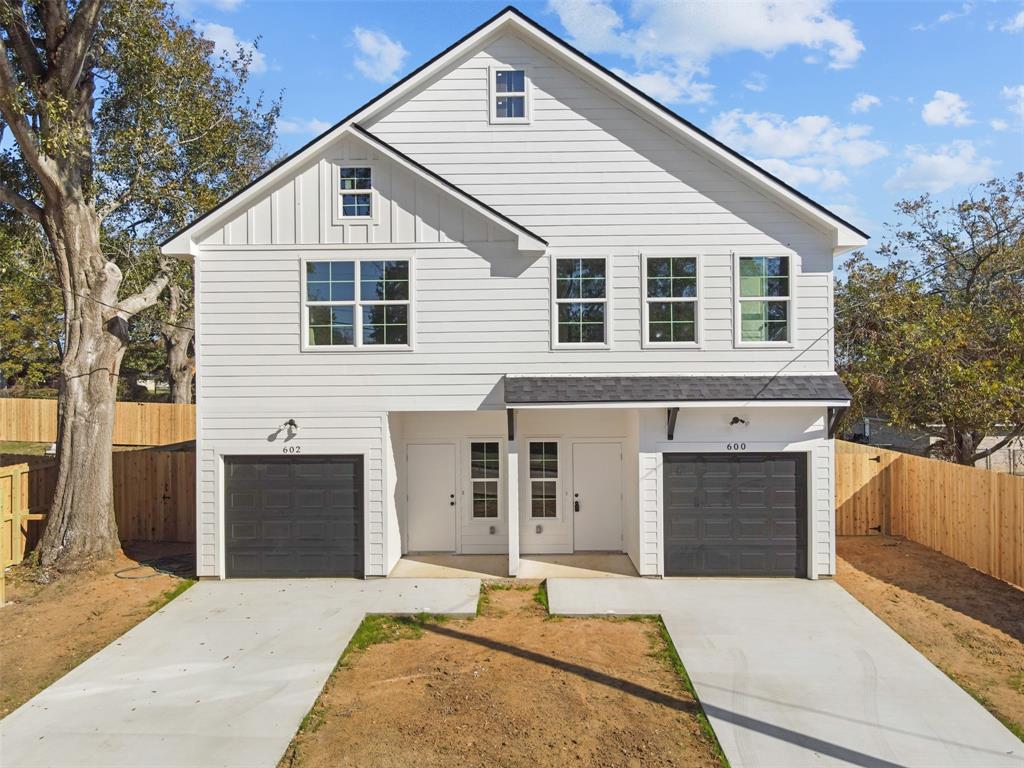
(587, 170)
(477, 316)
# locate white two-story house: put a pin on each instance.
(514, 306)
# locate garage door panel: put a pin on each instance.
(294, 516)
(735, 515)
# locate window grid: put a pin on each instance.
(358, 303)
(581, 298)
(671, 288)
(509, 98)
(355, 190)
(764, 299)
(485, 473)
(543, 480)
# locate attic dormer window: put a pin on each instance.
(355, 186)
(510, 102)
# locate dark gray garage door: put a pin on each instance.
(293, 516)
(735, 514)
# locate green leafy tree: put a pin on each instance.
(122, 127)
(934, 339)
(31, 315)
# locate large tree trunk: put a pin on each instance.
(81, 526)
(178, 335)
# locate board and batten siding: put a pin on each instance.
(303, 209)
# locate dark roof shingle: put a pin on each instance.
(538, 390)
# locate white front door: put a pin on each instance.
(430, 504)
(597, 496)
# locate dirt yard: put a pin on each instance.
(509, 688)
(968, 624)
(47, 630)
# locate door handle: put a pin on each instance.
(576, 506)
(451, 496)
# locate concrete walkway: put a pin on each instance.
(795, 673)
(220, 677)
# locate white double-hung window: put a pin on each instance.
(357, 303)
(580, 301)
(671, 289)
(355, 192)
(510, 95)
(764, 299)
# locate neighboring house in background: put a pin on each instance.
(513, 305)
(873, 430)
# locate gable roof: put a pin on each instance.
(846, 235)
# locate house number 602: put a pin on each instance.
(292, 449)
(735, 446)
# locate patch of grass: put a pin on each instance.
(158, 603)
(376, 629)
(540, 597)
(1014, 727)
(21, 448)
(666, 651)
(1017, 682)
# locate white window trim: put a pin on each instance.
(492, 94)
(559, 506)
(555, 301)
(357, 317)
(738, 341)
(698, 314)
(501, 481)
(336, 215)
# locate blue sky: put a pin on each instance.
(856, 104)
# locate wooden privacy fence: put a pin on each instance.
(35, 421)
(154, 499)
(973, 515)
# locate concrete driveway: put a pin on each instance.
(795, 673)
(220, 677)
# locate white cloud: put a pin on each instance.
(946, 108)
(999, 125)
(1016, 24)
(226, 43)
(809, 137)
(803, 175)
(302, 125)
(950, 165)
(671, 42)
(380, 58)
(965, 10)
(757, 82)
(1015, 95)
(864, 102)
(811, 149)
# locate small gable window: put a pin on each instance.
(510, 101)
(355, 187)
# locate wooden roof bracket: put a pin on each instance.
(673, 414)
(834, 415)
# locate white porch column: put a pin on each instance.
(512, 505)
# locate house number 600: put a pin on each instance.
(735, 446)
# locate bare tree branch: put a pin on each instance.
(78, 40)
(21, 204)
(21, 40)
(1014, 433)
(146, 297)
